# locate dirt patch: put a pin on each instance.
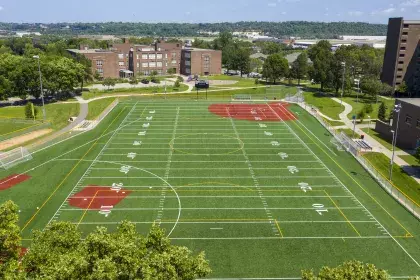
(16, 141)
(13, 180)
(96, 197)
(254, 112)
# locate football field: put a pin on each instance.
(258, 187)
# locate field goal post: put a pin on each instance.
(14, 157)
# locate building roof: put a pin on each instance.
(89, 51)
(199, 50)
(412, 101)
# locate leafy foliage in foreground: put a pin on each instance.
(60, 253)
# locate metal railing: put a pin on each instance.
(352, 148)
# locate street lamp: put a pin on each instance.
(369, 125)
(357, 81)
(397, 109)
(40, 81)
(344, 78)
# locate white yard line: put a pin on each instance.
(368, 212)
(78, 184)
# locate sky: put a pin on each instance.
(195, 11)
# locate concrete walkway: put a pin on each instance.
(377, 147)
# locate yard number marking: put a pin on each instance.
(116, 186)
(142, 133)
(137, 143)
(149, 118)
(146, 125)
(319, 208)
(106, 210)
(152, 112)
(125, 169)
(283, 155)
(257, 118)
(275, 143)
(131, 155)
(268, 133)
(305, 187)
(262, 125)
(293, 169)
(253, 112)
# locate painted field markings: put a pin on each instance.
(298, 138)
(79, 183)
(254, 178)
(167, 168)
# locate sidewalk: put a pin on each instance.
(377, 147)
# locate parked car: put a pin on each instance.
(145, 81)
(254, 75)
(202, 84)
(232, 72)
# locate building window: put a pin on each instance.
(206, 62)
(166, 55)
(400, 69)
(188, 70)
(147, 72)
(406, 25)
(188, 63)
(144, 56)
(404, 41)
(402, 48)
(173, 61)
(173, 55)
(159, 56)
(405, 33)
(400, 62)
(187, 55)
(152, 64)
(402, 55)
(99, 62)
(121, 56)
(100, 70)
(159, 64)
(138, 65)
(408, 119)
(145, 65)
(152, 56)
(159, 72)
(399, 76)
(121, 63)
(137, 56)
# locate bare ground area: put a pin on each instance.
(23, 138)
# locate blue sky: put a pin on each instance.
(376, 11)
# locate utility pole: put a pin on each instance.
(40, 81)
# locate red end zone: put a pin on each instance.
(13, 180)
(95, 197)
(277, 111)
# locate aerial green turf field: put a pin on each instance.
(263, 196)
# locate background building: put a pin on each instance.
(125, 59)
(408, 127)
(201, 62)
(402, 54)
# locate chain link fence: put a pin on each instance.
(350, 146)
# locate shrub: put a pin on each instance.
(28, 111)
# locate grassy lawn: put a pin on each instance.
(158, 89)
(379, 138)
(98, 106)
(325, 104)
(363, 100)
(349, 133)
(57, 113)
(333, 123)
(411, 160)
(399, 178)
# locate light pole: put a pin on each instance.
(357, 81)
(40, 82)
(344, 78)
(397, 109)
(369, 125)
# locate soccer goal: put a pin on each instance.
(14, 157)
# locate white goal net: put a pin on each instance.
(14, 157)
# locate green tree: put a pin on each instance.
(5, 88)
(417, 154)
(108, 82)
(171, 71)
(368, 108)
(300, 67)
(10, 241)
(275, 67)
(256, 64)
(28, 111)
(133, 81)
(322, 58)
(403, 88)
(382, 112)
(347, 271)
(177, 84)
(371, 87)
(59, 253)
(361, 115)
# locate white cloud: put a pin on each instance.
(271, 4)
(402, 9)
(1, 8)
(383, 12)
(355, 13)
(283, 13)
(411, 3)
